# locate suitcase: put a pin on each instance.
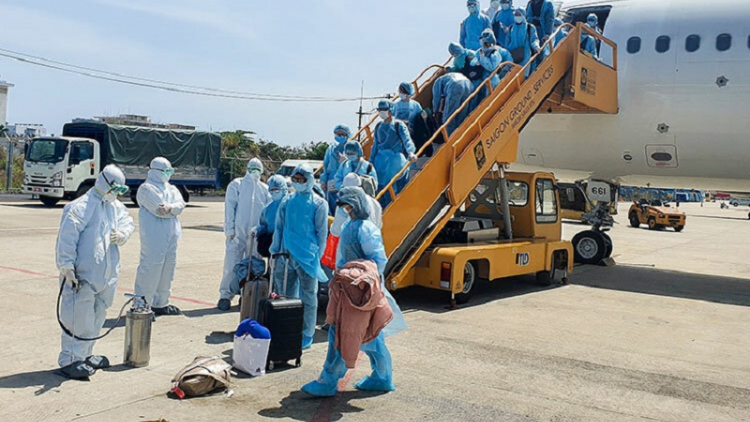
(254, 290)
(284, 319)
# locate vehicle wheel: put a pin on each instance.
(588, 247)
(49, 201)
(678, 228)
(735, 204)
(134, 196)
(185, 193)
(544, 278)
(652, 223)
(470, 283)
(270, 365)
(608, 245)
(634, 222)
(82, 191)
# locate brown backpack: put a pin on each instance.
(201, 377)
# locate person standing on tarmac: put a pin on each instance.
(160, 231)
(301, 232)
(245, 199)
(278, 189)
(92, 229)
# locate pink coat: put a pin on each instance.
(357, 307)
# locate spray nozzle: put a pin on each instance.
(139, 302)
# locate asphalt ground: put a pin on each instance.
(662, 336)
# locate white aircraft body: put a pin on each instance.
(684, 98)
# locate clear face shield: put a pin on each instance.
(120, 190)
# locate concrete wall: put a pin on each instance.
(3, 104)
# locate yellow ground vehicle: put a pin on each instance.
(465, 183)
(656, 214)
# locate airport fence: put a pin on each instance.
(11, 166)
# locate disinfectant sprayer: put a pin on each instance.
(138, 334)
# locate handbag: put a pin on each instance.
(204, 375)
(329, 257)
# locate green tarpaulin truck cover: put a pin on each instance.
(137, 146)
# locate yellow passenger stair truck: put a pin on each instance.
(462, 216)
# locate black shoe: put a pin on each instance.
(224, 304)
(78, 371)
(97, 362)
(167, 310)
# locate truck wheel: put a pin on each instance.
(82, 191)
(544, 278)
(678, 228)
(652, 223)
(134, 196)
(470, 283)
(608, 246)
(49, 201)
(185, 193)
(634, 222)
(589, 247)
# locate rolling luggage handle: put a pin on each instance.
(274, 257)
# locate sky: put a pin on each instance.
(307, 48)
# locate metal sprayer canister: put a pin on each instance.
(138, 337)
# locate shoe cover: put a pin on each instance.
(167, 310)
(78, 371)
(224, 304)
(97, 362)
(372, 384)
(318, 389)
(307, 342)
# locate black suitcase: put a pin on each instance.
(283, 317)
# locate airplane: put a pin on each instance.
(684, 87)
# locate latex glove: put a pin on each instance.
(164, 209)
(342, 158)
(412, 157)
(69, 275)
(331, 186)
(118, 238)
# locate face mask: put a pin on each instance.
(505, 6)
(384, 114)
(254, 174)
(404, 97)
(592, 24)
(518, 19)
(352, 157)
(473, 9)
(341, 139)
(276, 196)
(300, 187)
(109, 197)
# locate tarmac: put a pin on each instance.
(662, 336)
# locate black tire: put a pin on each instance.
(678, 228)
(735, 204)
(471, 279)
(49, 201)
(634, 222)
(588, 247)
(652, 224)
(544, 278)
(608, 245)
(184, 192)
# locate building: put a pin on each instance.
(4, 86)
(135, 120)
(27, 130)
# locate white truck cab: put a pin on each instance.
(60, 167)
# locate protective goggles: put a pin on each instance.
(299, 179)
(274, 190)
(116, 187)
(168, 172)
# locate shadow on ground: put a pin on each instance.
(45, 380)
(302, 407)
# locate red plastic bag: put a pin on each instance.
(329, 257)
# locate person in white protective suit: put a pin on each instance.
(246, 197)
(92, 229)
(160, 231)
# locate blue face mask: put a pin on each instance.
(592, 24)
(276, 196)
(300, 187)
(352, 157)
(341, 139)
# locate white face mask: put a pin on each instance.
(254, 174)
(403, 97)
(109, 197)
(518, 19)
(384, 114)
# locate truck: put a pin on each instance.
(66, 167)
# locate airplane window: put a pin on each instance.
(723, 42)
(662, 44)
(634, 45)
(692, 43)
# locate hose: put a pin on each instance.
(70, 333)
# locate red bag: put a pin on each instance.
(329, 257)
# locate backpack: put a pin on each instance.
(519, 53)
(202, 376)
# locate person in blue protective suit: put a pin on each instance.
(355, 163)
(503, 21)
(301, 232)
(448, 94)
(491, 55)
(522, 39)
(541, 14)
(333, 158)
(473, 25)
(92, 229)
(160, 231)
(491, 11)
(245, 199)
(391, 149)
(267, 226)
(405, 108)
(462, 57)
(588, 42)
(360, 239)
(560, 34)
